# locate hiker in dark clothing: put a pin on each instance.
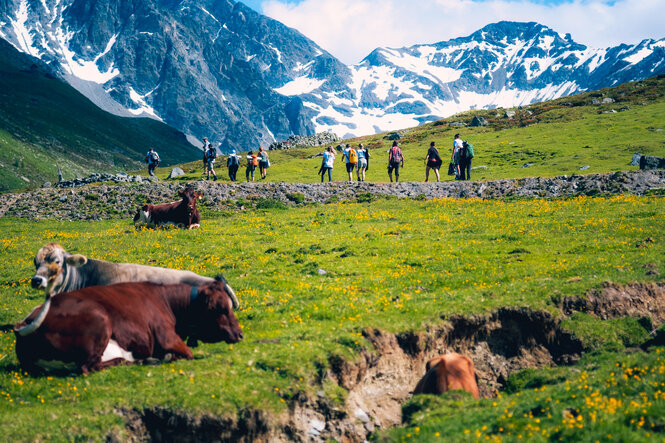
(233, 163)
(432, 161)
(152, 158)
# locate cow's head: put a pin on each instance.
(51, 263)
(215, 320)
(189, 197)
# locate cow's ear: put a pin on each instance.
(76, 260)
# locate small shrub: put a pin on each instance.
(296, 197)
(270, 203)
(365, 197)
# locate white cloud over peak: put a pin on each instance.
(351, 29)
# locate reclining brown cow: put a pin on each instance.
(180, 213)
(447, 372)
(74, 271)
(102, 326)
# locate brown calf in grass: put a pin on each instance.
(180, 213)
(447, 372)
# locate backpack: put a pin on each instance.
(255, 160)
(353, 156)
(469, 150)
(394, 155)
(466, 152)
(154, 157)
(212, 153)
(233, 160)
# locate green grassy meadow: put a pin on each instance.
(397, 265)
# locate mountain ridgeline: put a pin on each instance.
(218, 68)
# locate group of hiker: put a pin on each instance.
(358, 159)
(252, 161)
(353, 158)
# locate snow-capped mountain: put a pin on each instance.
(206, 67)
(502, 65)
(217, 68)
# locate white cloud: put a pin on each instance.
(351, 29)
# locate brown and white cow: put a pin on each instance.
(447, 372)
(180, 213)
(102, 326)
(69, 272)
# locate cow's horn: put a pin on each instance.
(37, 322)
(232, 294)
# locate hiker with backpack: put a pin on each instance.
(209, 157)
(465, 157)
(233, 163)
(350, 157)
(395, 159)
(457, 147)
(252, 163)
(264, 162)
(432, 161)
(327, 163)
(152, 158)
(363, 161)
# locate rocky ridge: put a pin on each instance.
(105, 200)
(300, 141)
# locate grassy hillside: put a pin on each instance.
(555, 138)
(397, 265)
(45, 123)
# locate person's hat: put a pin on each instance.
(233, 152)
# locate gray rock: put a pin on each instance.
(478, 121)
(322, 271)
(648, 162)
(478, 167)
(361, 415)
(510, 114)
(457, 124)
(46, 185)
(584, 168)
(176, 172)
(316, 427)
(527, 165)
(636, 159)
(608, 100)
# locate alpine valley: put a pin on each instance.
(217, 68)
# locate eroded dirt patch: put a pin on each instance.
(383, 377)
(645, 300)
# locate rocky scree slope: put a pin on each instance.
(105, 201)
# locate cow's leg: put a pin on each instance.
(171, 343)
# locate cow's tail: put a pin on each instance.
(229, 290)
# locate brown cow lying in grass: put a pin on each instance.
(101, 326)
(447, 372)
(180, 213)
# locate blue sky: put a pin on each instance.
(351, 29)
